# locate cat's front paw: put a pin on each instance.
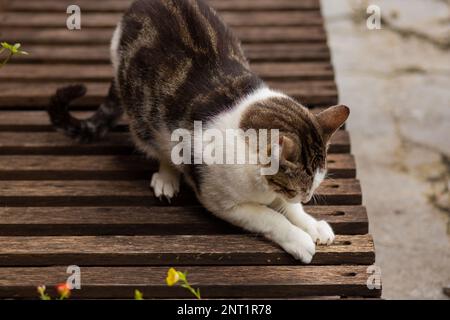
(300, 245)
(321, 232)
(165, 185)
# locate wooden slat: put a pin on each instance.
(122, 5)
(57, 36)
(36, 95)
(33, 121)
(173, 250)
(114, 167)
(110, 20)
(55, 143)
(214, 282)
(136, 192)
(101, 54)
(77, 221)
(73, 72)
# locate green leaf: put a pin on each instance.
(7, 46)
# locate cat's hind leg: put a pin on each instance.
(165, 182)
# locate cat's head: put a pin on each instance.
(303, 142)
(302, 160)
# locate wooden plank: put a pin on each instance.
(55, 143)
(57, 36)
(214, 282)
(137, 192)
(92, 72)
(110, 20)
(33, 121)
(115, 167)
(19, 95)
(171, 250)
(46, 143)
(287, 51)
(78, 221)
(122, 5)
(101, 54)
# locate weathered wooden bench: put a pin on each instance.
(63, 203)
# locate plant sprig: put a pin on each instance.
(62, 289)
(10, 50)
(174, 276)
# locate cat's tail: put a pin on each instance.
(88, 129)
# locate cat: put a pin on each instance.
(176, 62)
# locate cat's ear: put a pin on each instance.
(331, 119)
(288, 149)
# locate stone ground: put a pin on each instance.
(397, 83)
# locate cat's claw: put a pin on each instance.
(321, 233)
(165, 185)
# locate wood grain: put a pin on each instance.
(35, 121)
(61, 35)
(78, 221)
(213, 281)
(173, 250)
(100, 53)
(55, 143)
(122, 5)
(115, 167)
(110, 20)
(35, 93)
(75, 72)
(136, 192)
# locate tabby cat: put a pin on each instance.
(176, 62)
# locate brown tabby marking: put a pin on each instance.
(304, 148)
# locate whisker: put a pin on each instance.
(314, 198)
(330, 175)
